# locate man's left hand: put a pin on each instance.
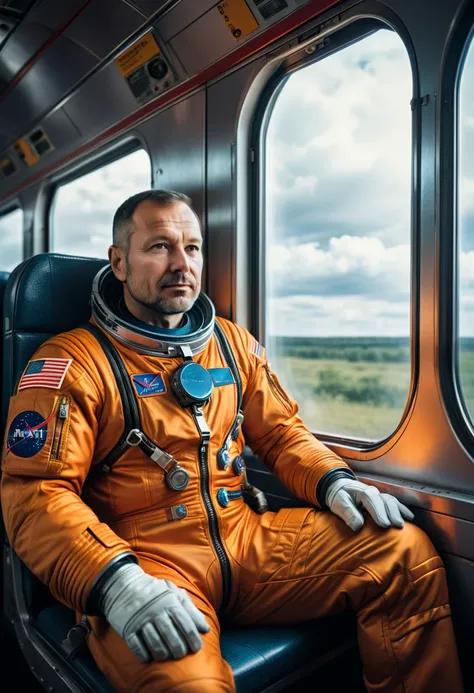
(345, 496)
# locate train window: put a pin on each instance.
(465, 217)
(337, 221)
(83, 209)
(11, 239)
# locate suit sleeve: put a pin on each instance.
(48, 450)
(275, 432)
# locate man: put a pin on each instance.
(129, 506)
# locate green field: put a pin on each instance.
(355, 387)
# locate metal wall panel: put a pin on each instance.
(104, 25)
(224, 101)
(176, 141)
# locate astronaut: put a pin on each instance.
(124, 489)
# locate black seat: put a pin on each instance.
(45, 295)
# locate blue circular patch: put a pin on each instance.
(196, 381)
(27, 434)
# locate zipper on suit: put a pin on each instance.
(205, 434)
(63, 413)
(278, 391)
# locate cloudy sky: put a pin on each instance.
(338, 194)
(337, 197)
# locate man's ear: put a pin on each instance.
(117, 262)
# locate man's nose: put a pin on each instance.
(179, 261)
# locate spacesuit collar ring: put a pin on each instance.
(106, 294)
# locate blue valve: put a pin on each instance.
(224, 496)
(223, 458)
(178, 512)
(238, 465)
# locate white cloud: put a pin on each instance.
(323, 316)
(346, 254)
(84, 209)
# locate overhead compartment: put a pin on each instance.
(103, 25)
(201, 38)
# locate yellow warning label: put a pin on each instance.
(238, 17)
(137, 55)
(25, 152)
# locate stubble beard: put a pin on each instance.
(161, 304)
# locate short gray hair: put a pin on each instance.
(122, 225)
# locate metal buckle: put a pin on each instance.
(134, 438)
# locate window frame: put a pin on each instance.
(82, 168)
(447, 182)
(12, 206)
(357, 28)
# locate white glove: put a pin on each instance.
(344, 496)
(153, 616)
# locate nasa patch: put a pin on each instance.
(27, 434)
(149, 384)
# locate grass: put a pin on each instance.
(354, 387)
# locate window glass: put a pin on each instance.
(83, 209)
(337, 238)
(11, 240)
(465, 218)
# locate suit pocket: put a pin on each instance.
(30, 432)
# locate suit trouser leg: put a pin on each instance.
(199, 672)
(302, 564)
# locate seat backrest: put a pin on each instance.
(3, 282)
(45, 295)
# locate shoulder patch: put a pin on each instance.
(44, 373)
(27, 433)
(257, 349)
(147, 384)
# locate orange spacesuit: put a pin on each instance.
(293, 565)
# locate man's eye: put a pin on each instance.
(159, 246)
(193, 248)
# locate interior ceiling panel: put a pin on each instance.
(104, 25)
(21, 5)
(181, 16)
(56, 72)
(5, 137)
(59, 128)
(54, 13)
(20, 47)
(149, 7)
(193, 48)
(86, 107)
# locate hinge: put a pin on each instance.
(421, 101)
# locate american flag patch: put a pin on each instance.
(45, 373)
(256, 348)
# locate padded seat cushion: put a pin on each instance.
(259, 655)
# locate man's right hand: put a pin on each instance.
(155, 618)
